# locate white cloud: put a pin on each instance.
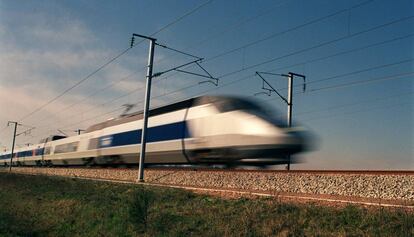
(31, 74)
(64, 33)
(129, 85)
(43, 57)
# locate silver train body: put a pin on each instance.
(207, 129)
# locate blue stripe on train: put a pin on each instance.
(165, 132)
(37, 152)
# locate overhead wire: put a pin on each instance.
(118, 109)
(355, 72)
(75, 85)
(349, 84)
(289, 30)
(316, 46)
(235, 26)
(110, 61)
(335, 107)
(319, 59)
(320, 45)
(278, 33)
(240, 23)
(182, 17)
(363, 70)
(385, 78)
(161, 29)
(88, 96)
(232, 27)
(243, 47)
(125, 95)
(106, 102)
(372, 80)
(359, 111)
(376, 27)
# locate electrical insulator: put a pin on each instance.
(132, 41)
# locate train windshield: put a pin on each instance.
(230, 104)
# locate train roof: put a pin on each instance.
(160, 110)
(51, 138)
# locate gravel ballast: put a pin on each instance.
(378, 186)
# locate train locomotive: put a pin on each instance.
(201, 130)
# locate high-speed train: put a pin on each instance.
(201, 130)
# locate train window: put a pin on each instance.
(46, 151)
(226, 105)
(51, 138)
(57, 137)
(19, 154)
(68, 147)
(39, 151)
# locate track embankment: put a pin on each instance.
(358, 187)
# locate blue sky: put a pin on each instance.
(357, 56)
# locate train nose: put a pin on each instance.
(299, 138)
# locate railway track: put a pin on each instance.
(371, 172)
(379, 187)
(202, 169)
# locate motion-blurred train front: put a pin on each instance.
(236, 130)
(207, 129)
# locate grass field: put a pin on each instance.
(53, 206)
